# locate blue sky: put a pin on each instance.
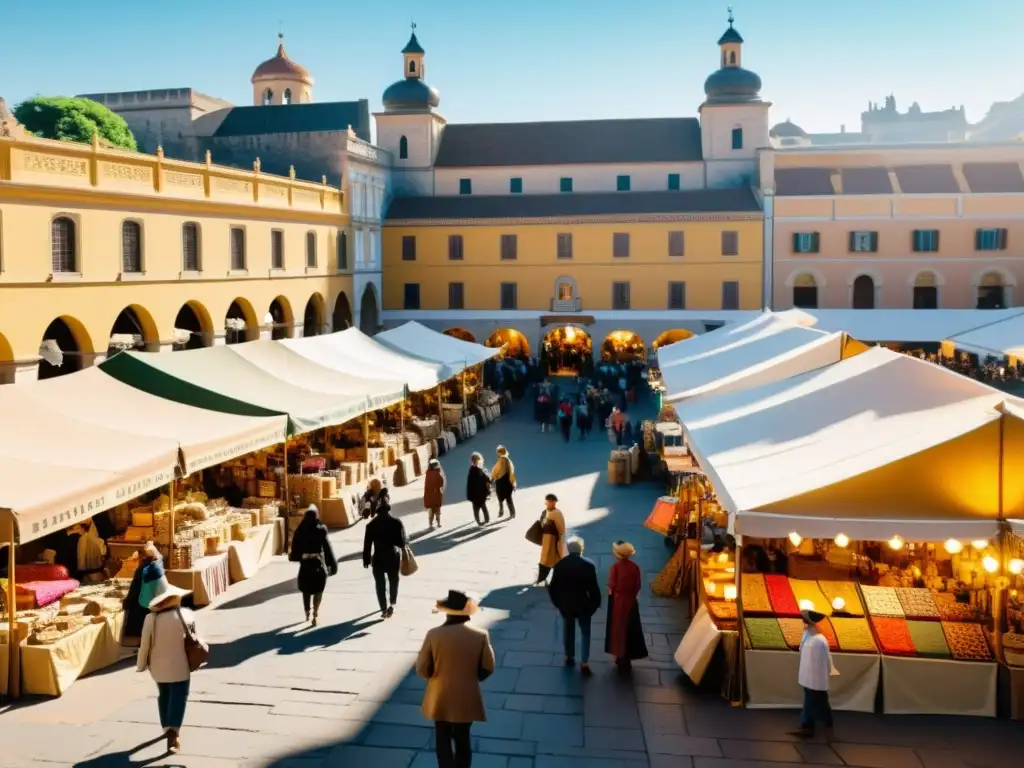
(821, 62)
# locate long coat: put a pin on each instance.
(433, 488)
(383, 543)
(453, 660)
(574, 589)
(311, 539)
(552, 546)
(478, 485)
(625, 634)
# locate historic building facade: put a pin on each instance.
(102, 250)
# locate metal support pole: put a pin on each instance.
(13, 637)
(366, 442)
(401, 428)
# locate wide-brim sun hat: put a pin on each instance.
(623, 549)
(457, 604)
(164, 590)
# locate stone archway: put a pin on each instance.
(193, 328)
(512, 341)
(67, 341)
(622, 347)
(283, 321)
(341, 317)
(461, 334)
(369, 314)
(313, 316)
(7, 368)
(671, 336)
(240, 323)
(133, 329)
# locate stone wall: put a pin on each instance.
(312, 154)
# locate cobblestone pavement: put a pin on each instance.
(281, 694)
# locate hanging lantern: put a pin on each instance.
(896, 543)
(953, 547)
(990, 564)
(838, 604)
(1016, 566)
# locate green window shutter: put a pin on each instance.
(673, 182)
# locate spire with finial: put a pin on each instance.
(731, 36)
(731, 17)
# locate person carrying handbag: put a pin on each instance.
(552, 546)
(383, 546)
(171, 650)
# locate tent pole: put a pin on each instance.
(170, 533)
(741, 665)
(13, 636)
(366, 442)
(465, 404)
(401, 429)
(440, 405)
(287, 496)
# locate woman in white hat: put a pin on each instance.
(162, 652)
(625, 637)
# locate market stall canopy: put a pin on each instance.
(217, 379)
(288, 365)
(876, 445)
(353, 352)
(727, 336)
(206, 438)
(414, 339)
(1002, 338)
(56, 470)
(927, 326)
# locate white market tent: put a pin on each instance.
(414, 339)
(900, 325)
(697, 347)
(876, 445)
(206, 437)
(1002, 339)
(353, 352)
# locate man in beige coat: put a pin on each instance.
(454, 660)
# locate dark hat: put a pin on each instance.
(551, 497)
(812, 617)
(457, 604)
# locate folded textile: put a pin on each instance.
(893, 636)
(722, 609)
(846, 590)
(854, 635)
(929, 639)
(753, 594)
(805, 591)
(882, 601)
(765, 634)
(46, 592)
(780, 594)
(966, 641)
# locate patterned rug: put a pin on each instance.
(854, 635)
(846, 590)
(792, 632)
(765, 634)
(882, 601)
(917, 603)
(805, 590)
(893, 636)
(966, 641)
(951, 610)
(753, 594)
(929, 639)
(781, 595)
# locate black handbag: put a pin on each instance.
(535, 533)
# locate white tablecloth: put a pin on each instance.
(939, 687)
(772, 681)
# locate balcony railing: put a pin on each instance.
(566, 305)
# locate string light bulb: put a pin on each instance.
(806, 605)
(990, 564)
(838, 604)
(842, 540)
(896, 543)
(730, 591)
(795, 539)
(723, 557)
(1016, 566)
(979, 544)
(711, 587)
(953, 547)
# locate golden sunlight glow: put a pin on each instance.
(723, 557)
(730, 591)
(1016, 566)
(953, 546)
(570, 333)
(806, 605)
(979, 544)
(842, 540)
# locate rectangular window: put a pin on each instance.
(676, 244)
(806, 242)
(509, 296)
(730, 294)
(620, 295)
(411, 299)
(509, 247)
(454, 247)
(342, 250)
(863, 242)
(620, 245)
(730, 243)
(456, 296)
(408, 247)
(465, 186)
(515, 185)
(237, 249)
(277, 249)
(565, 184)
(990, 239)
(677, 295)
(190, 247)
(622, 183)
(311, 249)
(925, 240)
(673, 182)
(565, 245)
(737, 138)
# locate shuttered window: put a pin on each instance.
(190, 247)
(131, 246)
(63, 247)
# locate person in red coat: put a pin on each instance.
(625, 636)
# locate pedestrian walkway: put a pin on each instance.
(281, 694)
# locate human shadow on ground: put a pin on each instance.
(424, 544)
(124, 759)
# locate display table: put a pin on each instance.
(49, 670)
(245, 558)
(1015, 691)
(207, 578)
(939, 687)
(698, 646)
(772, 680)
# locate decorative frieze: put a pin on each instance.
(34, 162)
(612, 219)
(274, 190)
(179, 179)
(138, 174)
(234, 186)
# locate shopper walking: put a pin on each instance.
(311, 549)
(478, 489)
(503, 475)
(617, 423)
(162, 652)
(552, 546)
(577, 596)
(383, 545)
(583, 419)
(454, 659)
(816, 669)
(434, 483)
(565, 419)
(625, 637)
(375, 495)
(136, 603)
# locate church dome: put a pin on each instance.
(282, 68)
(787, 130)
(410, 94)
(733, 84)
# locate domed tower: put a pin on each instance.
(411, 94)
(734, 119)
(281, 81)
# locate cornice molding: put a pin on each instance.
(608, 219)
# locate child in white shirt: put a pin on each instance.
(815, 670)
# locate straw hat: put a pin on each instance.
(502, 450)
(457, 604)
(165, 591)
(812, 617)
(623, 549)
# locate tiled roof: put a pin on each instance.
(866, 181)
(993, 177)
(650, 140)
(298, 118)
(572, 204)
(803, 181)
(926, 179)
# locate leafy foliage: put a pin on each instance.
(71, 119)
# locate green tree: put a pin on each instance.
(71, 119)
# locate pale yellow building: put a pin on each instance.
(102, 250)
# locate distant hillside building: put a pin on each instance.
(887, 125)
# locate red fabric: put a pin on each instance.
(893, 636)
(46, 592)
(40, 572)
(780, 594)
(624, 580)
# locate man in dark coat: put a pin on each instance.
(478, 488)
(576, 594)
(382, 548)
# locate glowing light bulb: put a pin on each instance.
(723, 557)
(838, 604)
(953, 546)
(990, 564)
(730, 591)
(806, 605)
(842, 540)
(795, 539)
(896, 543)
(1016, 566)
(979, 544)
(711, 587)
